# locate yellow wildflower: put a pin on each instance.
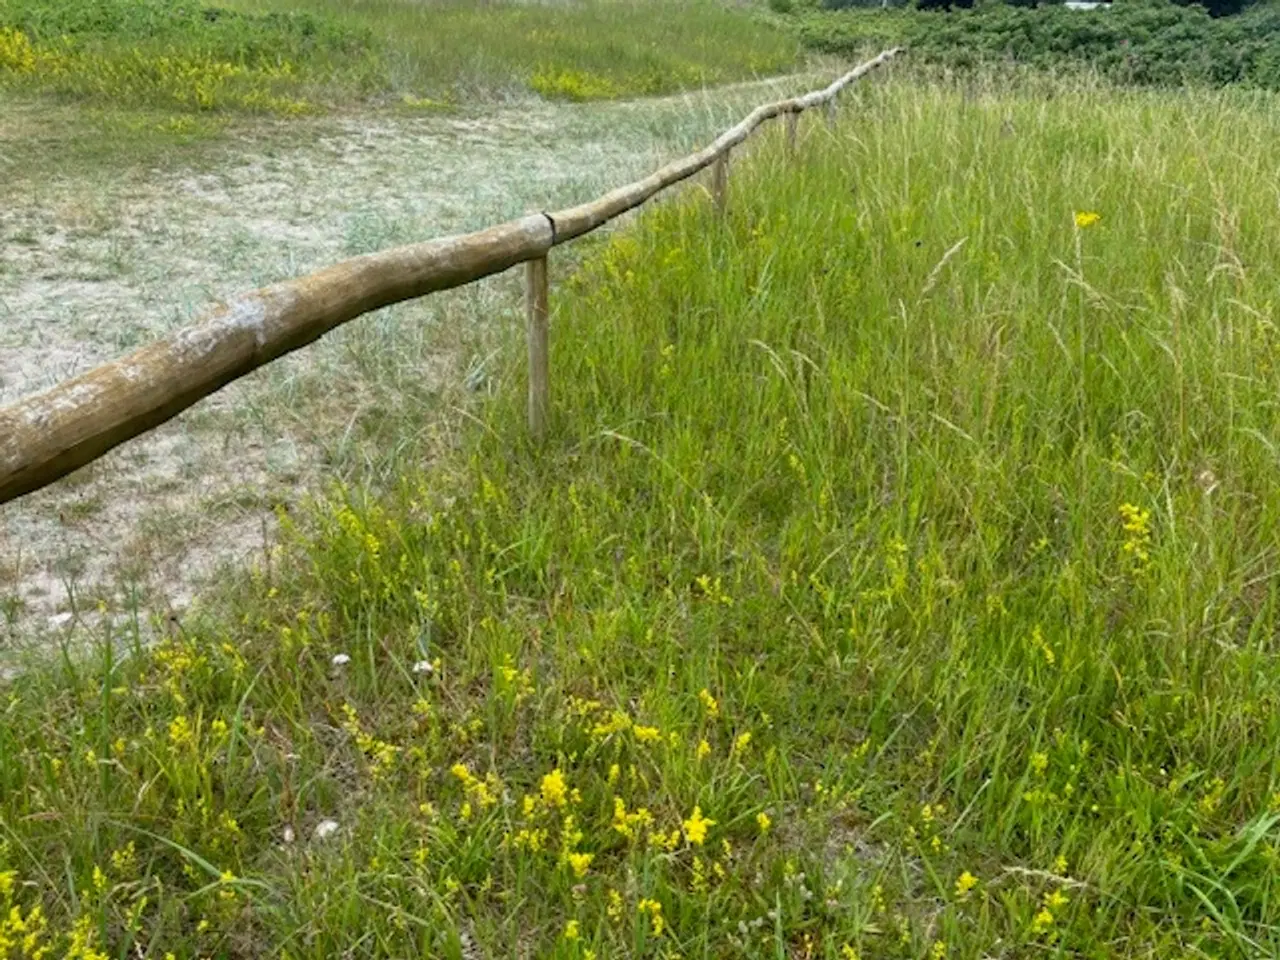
(1086, 219)
(580, 863)
(654, 910)
(628, 823)
(1042, 921)
(695, 828)
(703, 750)
(614, 909)
(180, 732)
(742, 742)
(709, 704)
(698, 882)
(763, 822)
(1136, 523)
(555, 793)
(616, 723)
(964, 883)
(647, 734)
(571, 930)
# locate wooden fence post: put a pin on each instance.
(720, 182)
(536, 308)
(793, 122)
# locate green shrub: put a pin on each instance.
(1146, 42)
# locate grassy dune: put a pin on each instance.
(898, 581)
(287, 58)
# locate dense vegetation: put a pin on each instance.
(287, 57)
(1150, 42)
(899, 580)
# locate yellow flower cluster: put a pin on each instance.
(554, 791)
(21, 933)
(1045, 918)
(629, 824)
(1136, 524)
(709, 703)
(16, 52)
(653, 910)
(695, 828)
(195, 81)
(484, 793)
(380, 754)
(560, 83)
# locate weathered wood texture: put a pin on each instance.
(48, 435)
(720, 182)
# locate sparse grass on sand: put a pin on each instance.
(898, 581)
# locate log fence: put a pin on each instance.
(48, 435)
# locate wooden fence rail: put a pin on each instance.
(49, 435)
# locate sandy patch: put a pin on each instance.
(99, 264)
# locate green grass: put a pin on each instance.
(588, 49)
(288, 58)
(917, 537)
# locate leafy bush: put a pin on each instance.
(1147, 42)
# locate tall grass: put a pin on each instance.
(581, 50)
(290, 57)
(898, 581)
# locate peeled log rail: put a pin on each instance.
(51, 434)
(574, 222)
(47, 436)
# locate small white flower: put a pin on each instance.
(423, 666)
(326, 829)
(341, 659)
(288, 834)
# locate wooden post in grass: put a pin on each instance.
(720, 182)
(793, 122)
(536, 307)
